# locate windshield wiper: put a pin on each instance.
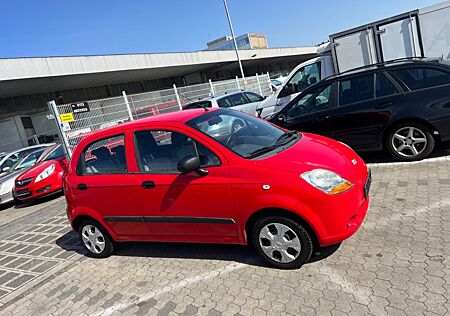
(262, 150)
(285, 135)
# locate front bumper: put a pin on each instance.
(6, 198)
(36, 190)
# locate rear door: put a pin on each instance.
(105, 186)
(310, 112)
(365, 104)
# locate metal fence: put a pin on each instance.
(75, 120)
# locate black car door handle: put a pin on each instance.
(82, 186)
(323, 117)
(148, 184)
(383, 105)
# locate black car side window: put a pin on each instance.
(356, 89)
(422, 77)
(315, 100)
(225, 102)
(383, 87)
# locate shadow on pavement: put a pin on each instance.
(237, 253)
(441, 150)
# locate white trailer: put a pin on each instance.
(415, 34)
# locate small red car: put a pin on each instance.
(44, 178)
(190, 176)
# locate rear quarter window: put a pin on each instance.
(422, 77)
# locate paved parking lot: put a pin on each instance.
(397, 263)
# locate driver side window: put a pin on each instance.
(316, 100)
(305, 77)
(159, 151)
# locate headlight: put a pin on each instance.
(46, 173)
(327, 181)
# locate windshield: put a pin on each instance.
(57, 153)
(198, 105)
(28, 161)
(244, 134)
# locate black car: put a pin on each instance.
(402, 107)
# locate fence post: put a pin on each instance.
(237, 83)
(127, 104)
(178, 97)
(259, 84)
(211, 87)
(62, 135)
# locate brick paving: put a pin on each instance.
(398, 263)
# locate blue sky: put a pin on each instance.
(81, 27)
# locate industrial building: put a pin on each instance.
(27, 84)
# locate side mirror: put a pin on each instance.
(281, 118)
(287, 90)
(189, 164)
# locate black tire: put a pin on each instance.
(303, 236)
(420, 129)
(108, 242)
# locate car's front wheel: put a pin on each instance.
(409, 141)
(95, 239)
(282, 242)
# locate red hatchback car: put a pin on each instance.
(44, 178)
(191, 177)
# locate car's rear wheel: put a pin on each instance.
(409, 141)
(282, 242)
(95, 239)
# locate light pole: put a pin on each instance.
(234, 39)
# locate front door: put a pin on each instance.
(310, 112)
(176, 204)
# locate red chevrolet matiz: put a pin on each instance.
(192, 176)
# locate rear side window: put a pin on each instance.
(225, 102)
(238, 99)
(106, 156)
(383, 86)
(356, 89)
(422, 77)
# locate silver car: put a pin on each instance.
(244, 101)
(8, 178)
(13, 157)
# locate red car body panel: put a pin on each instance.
(228, 196)
(38, 189)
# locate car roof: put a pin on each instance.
(219, 95)
(389, 65)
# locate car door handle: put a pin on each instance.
(323, 117)
(383, 105)
(82, 186)
(148, 184)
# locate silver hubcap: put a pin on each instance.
(279, 242)
(93, 239)
(409, 141)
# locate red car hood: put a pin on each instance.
(314, 151)
(61, 163)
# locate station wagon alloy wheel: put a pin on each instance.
(279, 242)
(409, 141)
(93, 239)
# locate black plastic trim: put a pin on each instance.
(170, 219)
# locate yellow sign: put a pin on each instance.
(66, 117)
